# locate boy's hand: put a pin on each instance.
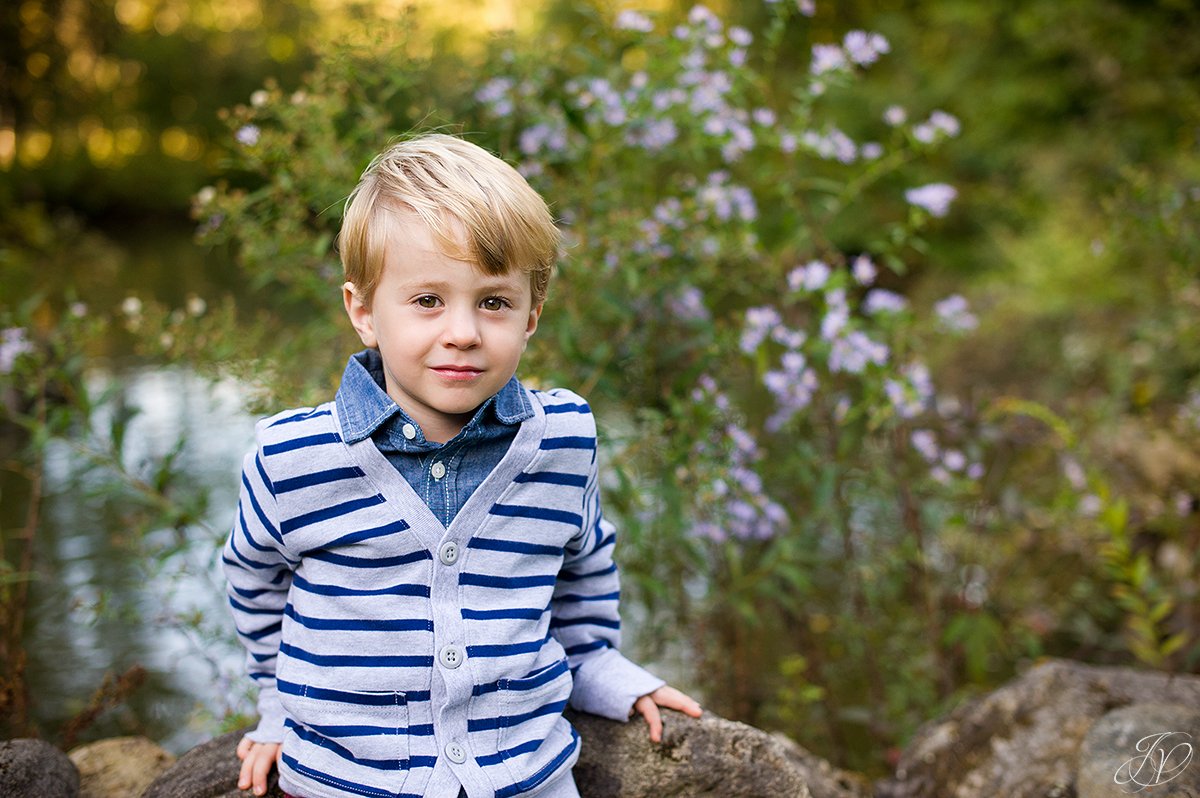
(647, 706)
(257, 761)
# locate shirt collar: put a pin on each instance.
(364, 406)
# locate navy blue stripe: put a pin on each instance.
(505, 649)
(506, 582)
(568, 442)
(358, 660)
(258, 510)
(251, 610)
(301, 417)
(568, 576)
(391, 528)
(327, 513)
(381, 699)
(343, 784)
(514, 613)
(586, 620)
(360, 624)
(539, 513)
(317, 478)
(595, 645)
(254, 544)
(262, 473)
(513, 546)
(301, 443)
(246, 562)
(574, 408)
(572, 597)
(249, 594)
(508, 721)
(554, 478)
(264, 632)
(360, 730)
(508, 753)
(370, 562)
(530, 682)
(525, 785)
(338, 590)
(310, 736)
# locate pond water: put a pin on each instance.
(105, 600)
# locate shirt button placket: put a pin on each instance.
(438, 470)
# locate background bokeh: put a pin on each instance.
(888, 310)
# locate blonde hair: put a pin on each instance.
(444, 180)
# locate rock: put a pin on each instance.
(697, 758)
(1142, 747)
(1023, 740)
(209, 770)
(36, 769)
(119, 767)
(710, 756)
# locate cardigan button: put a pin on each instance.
(448, 553)
(456, 753)
(452, 656)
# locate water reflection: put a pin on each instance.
(100, 606)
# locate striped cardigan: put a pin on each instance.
(397, 657)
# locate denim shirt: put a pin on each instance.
(444, 475)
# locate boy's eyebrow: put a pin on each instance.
(489, 283)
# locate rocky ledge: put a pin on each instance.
(1061, 730)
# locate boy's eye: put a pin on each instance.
(495, 303)
(427, 301)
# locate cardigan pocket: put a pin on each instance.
(356, 741)
(535, 739)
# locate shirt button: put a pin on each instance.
(438, 470)
(408, 431)
(456, 753)
(451, 656)
(448, 553)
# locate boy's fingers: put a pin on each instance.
(244, 774)
(671, 698)
(261, 768)
(649, 710)
(244, 747)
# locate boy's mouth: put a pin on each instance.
(457, 372)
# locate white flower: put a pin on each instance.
(881, 300)
(206, 195)
(954, 314)
(826, 58)
(865, 48)
(248, 135)
(925, 442)
(131, 306)
(954, 460)
(934, 197)
(895, 116)
(806, 7)
(13, 344)
(740, 36)
(872, 150)
(864, 270)
(945, 122)
(196, 305)
(259, 98)
(78, 309)
(633, 20)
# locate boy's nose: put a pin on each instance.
(462, 329)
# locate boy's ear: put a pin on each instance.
(360, 315)
(535, 313)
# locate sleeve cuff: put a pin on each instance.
(270, 727)
(608, 685)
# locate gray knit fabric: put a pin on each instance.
(387, 647)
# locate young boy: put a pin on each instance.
(419, 569)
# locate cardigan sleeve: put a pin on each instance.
(585, 618)
(258, 573)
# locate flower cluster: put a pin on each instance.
(735, 503)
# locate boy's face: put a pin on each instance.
(450, 336)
